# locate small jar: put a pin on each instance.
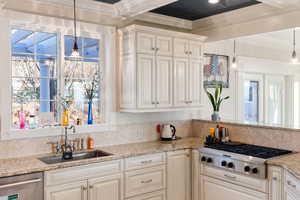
(32, 122)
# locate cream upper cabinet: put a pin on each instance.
(146, 81)
(179, 175)
(146, 43)
(188, 48)
(181, 47)
(106, 188)
(75, 191)
(164, 82)
(181, 69)
(158, 68)
(195, 82)
(164, 46)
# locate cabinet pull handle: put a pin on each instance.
(274, 178)
(148, 181)
(191, 53)
(153, 49)
(157, 102)
(153, 102)
(91, 187)
(231, 177)
(157, 49)
(146, 162)
(83, 189)
(291, 184)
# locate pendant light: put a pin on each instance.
(294, 54)
(213, 1)
(234, 64)
(75, 51)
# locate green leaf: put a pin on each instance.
(212, 100)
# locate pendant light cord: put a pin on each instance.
(294, 42)
(234, 46)
(75, 20)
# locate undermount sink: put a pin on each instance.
(76, 156)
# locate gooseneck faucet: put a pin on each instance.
(67, 149)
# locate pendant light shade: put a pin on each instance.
(75, 55)
(234, 63)
(294, 54)
(213, 1)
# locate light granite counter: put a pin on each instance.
(289, 162)
(18, 166)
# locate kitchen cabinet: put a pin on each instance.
(160, 195)
(195, 175)
(275, 183)
(179, 175)
(75, 191)
(159, 70)
(291, 187)
(188, 82)
(106, 188)
(100, 181)
(212, 189)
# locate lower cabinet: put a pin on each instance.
(179, 175)
(74, 191)
(214, 189)
(275, 175)
(104, 188)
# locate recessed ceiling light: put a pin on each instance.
(213, 1)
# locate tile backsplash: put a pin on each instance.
(270, 137)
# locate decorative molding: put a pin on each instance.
(251, 20)
(165, 20)
(131, 8)
(281, 3)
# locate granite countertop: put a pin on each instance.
(289, 162)
(18, 166)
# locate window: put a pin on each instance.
(41, 79)
(251, 101)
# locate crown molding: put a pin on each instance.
(131, 8)
(165, 20)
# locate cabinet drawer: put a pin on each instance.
(83, 172)
(143, 181)
(160, 195)
(141, 162)
(292, 183)
(254, 183)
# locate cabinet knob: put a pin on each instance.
(153, 49)
(157, 102)
(191, 53)
(153, 102)
(157, 49)
(91, 187)
(83, 188)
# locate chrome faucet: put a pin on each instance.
(67, 149)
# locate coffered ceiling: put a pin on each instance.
(197, 9)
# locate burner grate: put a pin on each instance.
(250, 150)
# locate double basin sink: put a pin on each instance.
(76, 156)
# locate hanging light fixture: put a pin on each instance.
(213, 1)
(75, 50)
(234, 64)
(294, 54)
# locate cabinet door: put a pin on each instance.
(145, 43)
(179, 176)
(181, 68)
(195, 82)
(275, 183)
(74, 191)
(290, 195)
(181, 48)
(106, 188)
(164, 46)
(146, 81)
(214, 189)
(164, 81)
(195, 50)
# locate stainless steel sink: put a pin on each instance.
(76, 156)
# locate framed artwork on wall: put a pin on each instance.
(216, 70)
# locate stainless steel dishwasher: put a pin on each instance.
(23, 187)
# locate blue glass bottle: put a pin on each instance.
(90, 114)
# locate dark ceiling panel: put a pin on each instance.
(108, 1)
(196, 9)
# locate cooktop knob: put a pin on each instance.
(209, 160)
(223, 163)
(230, 165)
(254, 170)
(247, 169)
(203, 159)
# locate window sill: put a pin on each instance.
(54, 131)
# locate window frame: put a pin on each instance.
(106, 36)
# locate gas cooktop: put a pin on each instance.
(249, 150)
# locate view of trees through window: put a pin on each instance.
(41, 79)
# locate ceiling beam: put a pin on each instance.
(131, 8)
(282, 3)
